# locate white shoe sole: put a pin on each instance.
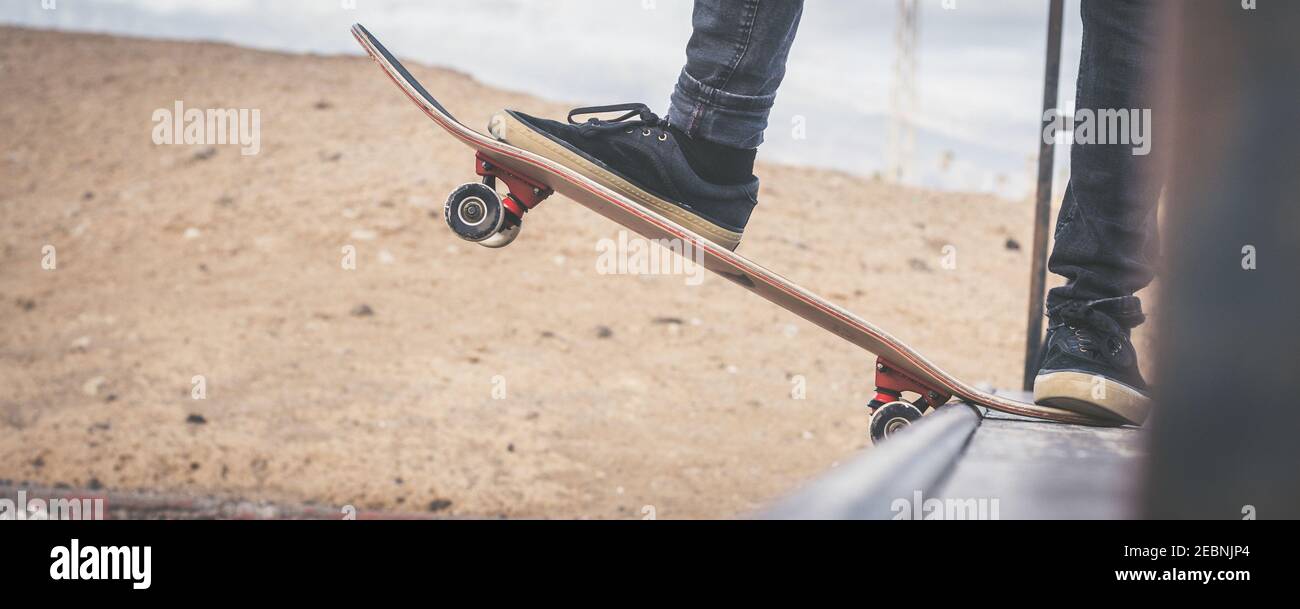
(1092, 394)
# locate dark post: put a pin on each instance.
(1043, 202)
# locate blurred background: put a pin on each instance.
(972, 106)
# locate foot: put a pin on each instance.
(1089, 366)
(707, 188)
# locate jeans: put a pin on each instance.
(735, 61)
(1106, 240)
(1105, 237)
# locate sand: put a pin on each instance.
(621, 396)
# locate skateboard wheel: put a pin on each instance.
(892, 418)
(474, 212)
(504, 236)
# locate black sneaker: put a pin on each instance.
(1089, 365)
(707, 188)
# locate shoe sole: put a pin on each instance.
(512, 131)
(1074, 391)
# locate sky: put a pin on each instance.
(979, 64)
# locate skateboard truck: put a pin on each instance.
(889, 411)
(475, 212)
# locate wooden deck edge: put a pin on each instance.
(872, 484)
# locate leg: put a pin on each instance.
(734, 63)
(1105, 235)
(695, 166)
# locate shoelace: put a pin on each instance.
(1091, 327)
(644, 118)
(1087, 338)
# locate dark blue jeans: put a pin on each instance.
(735, 61)
(1105, 237)
(1106, 240)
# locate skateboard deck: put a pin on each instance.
(898, 367)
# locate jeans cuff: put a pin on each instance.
(1125, 312)
(717, 116)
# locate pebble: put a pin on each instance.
(91, 387)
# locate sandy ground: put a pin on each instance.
(374, 386)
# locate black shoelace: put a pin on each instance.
(638, 115)
(1092, 328)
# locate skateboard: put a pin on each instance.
(476, 212)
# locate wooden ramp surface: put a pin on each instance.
(1034, 469)
(1038, 469)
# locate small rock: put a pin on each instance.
(25, 304)
(668, 320)
(918, 265)
(1012, 244)
(94, 484)
(807, 435)
(438, 505)
(362, 310)
(205, 154)
(91, 387)
(196, 419)
(323, 105)
(192, 233)
(81, 344)
(604, 332)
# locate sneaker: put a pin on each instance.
(1089, 366)
(708, 188)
